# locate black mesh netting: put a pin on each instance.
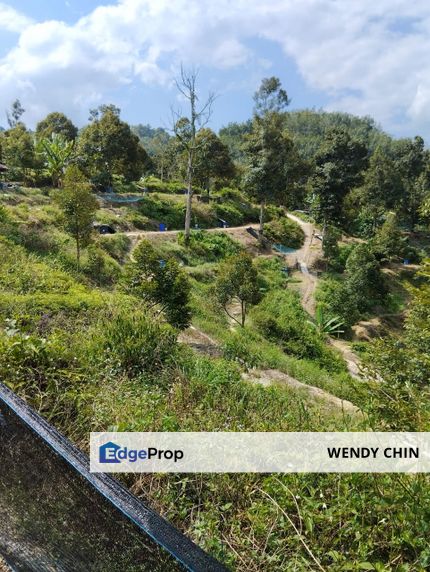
(56, 516)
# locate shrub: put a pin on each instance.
(281, 318)
(134, 343)
(161, 282)
(100, 268)
(210, 245)
(116, 245)
(285, 231)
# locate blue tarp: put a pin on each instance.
(283, 249)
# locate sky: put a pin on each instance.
(364, 57)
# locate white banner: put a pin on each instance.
(203, 452)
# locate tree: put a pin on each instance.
(237, 280)
(57, 152)
(270, 97)
(364, 280)
(17, 151)
(399, 371)
(185, 129)
(107, 147)
(388, 241)
(14, 115)
(79, 206)
(381, 189)
(268, 149)
(56, 123)
(159, 282)
(212, 160)
(338, 168)
(267, 146)
(412, 162)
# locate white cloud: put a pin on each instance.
(11, 20)
(368, 57)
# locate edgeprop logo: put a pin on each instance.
(112, 453)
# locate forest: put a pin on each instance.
(271, 276)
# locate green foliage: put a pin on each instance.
(212, 159)
(237, 280)
(339, 163)
(133, 343)
(160, 282)
(330, 244)
(331, 326)
(56, 123)
(362, 287)
(100, 268)
(281, 318)
(268, 150)
(388, 241)
(399, 372)
(79, 206)
(364, 279)
(17, 151)
(285, 231)
(107, 146)
(116, 245)
(210, 246)
(56, 152)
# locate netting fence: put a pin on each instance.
(57, 516)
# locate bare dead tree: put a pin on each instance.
(185, 129)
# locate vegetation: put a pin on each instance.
(104, 345)
(237, 280)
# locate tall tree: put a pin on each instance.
(267, 146)
(339, 164)
(14, 115)
(212, 159)
(185, 129)
(17, 151)
(108, 147)
(412, 161)
(79, 206)
(268, 149)
(57, 123)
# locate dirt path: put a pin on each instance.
(200, 342)
(238, 233)
(305, 257)
(351, 359)
(269, 377)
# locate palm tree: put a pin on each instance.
(57, 153)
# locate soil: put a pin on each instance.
(268, 377)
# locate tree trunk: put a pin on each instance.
(243, 309)
(191, 148)
(78, 252)
(189, 197)
(262, 207)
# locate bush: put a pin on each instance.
(134, 343)
(160, 282)
(100, 268)
(285, 231)
(211, 246)
(281, 318)
(116, 245)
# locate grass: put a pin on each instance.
(88, 357)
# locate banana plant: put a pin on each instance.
(57, 153)
(327, 325)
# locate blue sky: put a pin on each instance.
(363, 57)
